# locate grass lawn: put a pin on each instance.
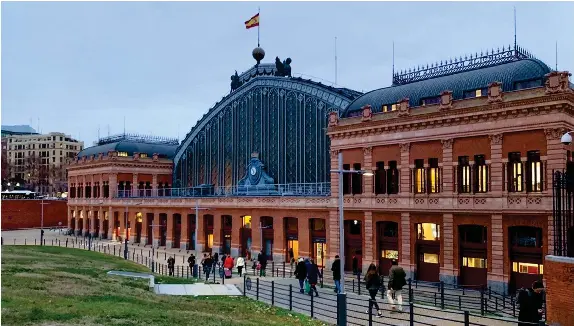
(63, 286)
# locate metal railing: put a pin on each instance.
(563, 213)
(321, 189)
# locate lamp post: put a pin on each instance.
(342, 296)
(126, 228)
(42, 223)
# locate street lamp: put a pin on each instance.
(126, 232)
(566, 138)
(342, 296)
(42, 223)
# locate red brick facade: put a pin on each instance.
(27, 213)
(559, 290)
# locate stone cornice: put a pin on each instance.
(88, 165)
(545, 104)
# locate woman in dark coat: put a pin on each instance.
(530, 303)
(373, 283)
(313, 275)
(301, 274)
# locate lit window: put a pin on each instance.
(534, 175)
(430, 258)
(515, 172)
(480, 174)
(210, 240)
(434, 182)
(478, 93)
(527, 268)
(143, 155)
(393, 107)
(474, 262)
(247, 222)
(463, 174)
(428, 231)
(419, 174)
(122, 153)
(390, 254)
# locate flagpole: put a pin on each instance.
(258, 25)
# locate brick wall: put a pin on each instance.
(559, 279)
(22, 214)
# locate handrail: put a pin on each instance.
(320, 189)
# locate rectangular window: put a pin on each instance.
(514, 172)
(125, 154)
(528, 84)
(346, 179)
(428, 231)
(380, 174)
(430, 101)
(390, 254)
(210, 240)
(419, 177)
(480, 174)
(357, 180)
(474, 262)
(527, 268)
(434, 177)
(463, 175)
(429, 258)
(393, 178)
(247, 222)
(534, 172)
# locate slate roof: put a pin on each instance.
(131, 147)
(506, 73)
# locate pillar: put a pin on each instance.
(154, 185)
(145, 224)
(447, 272)
(279, 241)
(404, 170)
(496, 168)
(406, 230)
(368, 243)
(332, 237)
(217, 227)
(101, 216)
(86, 222)
(135, 192)
(200, 233)
(447, 166)
(496, 279)
(113, 186)
(111, 223)
(101, 187)
(184, 242)
(368, 180)
(334, 176)
(93, 222)
(156, 229)
(169, 237)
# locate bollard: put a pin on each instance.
(14, 241)
(442, 295)
(164, 255)
(482, 302)
(272, 293)
(2, 239)
(52, 242)
(114, 251)
(411, 313)
(24, 241)
(290, 297)
(34, 241)
(312, 305)
(466, 318)
(257, 290)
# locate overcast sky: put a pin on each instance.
(79, 65)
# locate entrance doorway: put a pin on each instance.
(226, 226)
(162, 229)
(191, 231)
(176, 233)
(292, 238)
(318, 240)
(208, 227)
(116, 225)
(267, 236)
(149, 239)
(319, 253)
(388, 245)
(73, 224)
(473, 256)
(428, 252)
(245, 234)
(292, 249)
(526, 257)
(353, 244)
(138, 228)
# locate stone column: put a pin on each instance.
(200, 234)
(496, 279)
(144, 226)
(184, 242)
(217, 227)
(555, 161)
(332, 236)
(154, 185)
(406, 230)
(447, 272)
(101, 186)
(447, 166)
(279, 242)
(113, 185)
(368, 180)
(111, 224)
(405, 171)
(334, 176)
(156, 229)
(496, 169)
(368, 243)
(135, 190)
(169, 237)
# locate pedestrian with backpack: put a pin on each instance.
(397, 279)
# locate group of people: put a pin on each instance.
(308, 271)
(209, 264)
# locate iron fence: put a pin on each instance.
(563, 212)
(321, 189)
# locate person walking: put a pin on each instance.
(191, 262)
(170, 265)
(228, 266)
(240, 263)
(355, 265)
(336, 269)
(208, 264)
(263, 262)
(397, 279)
(301, 274)
(215, 260)
(313, 275)
(530, 304)
(373, 283)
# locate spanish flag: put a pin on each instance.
(252, 22)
